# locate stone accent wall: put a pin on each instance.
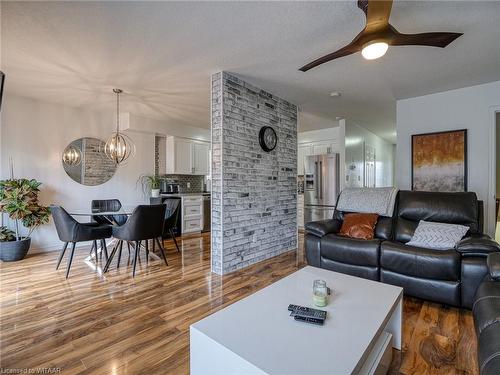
(254, 193)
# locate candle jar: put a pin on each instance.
(320, 293)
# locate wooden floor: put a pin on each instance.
(115, 324)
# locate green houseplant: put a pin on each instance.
(152, 183)
(19, 200)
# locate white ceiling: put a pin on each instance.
(162, 54)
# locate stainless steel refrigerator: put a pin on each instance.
(321, 186)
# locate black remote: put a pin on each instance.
(304, 319)
(306, 312)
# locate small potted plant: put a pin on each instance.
(151, 183)
(19, 200)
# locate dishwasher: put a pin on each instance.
(207, 214)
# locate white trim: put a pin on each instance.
(490, 204)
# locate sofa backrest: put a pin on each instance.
(451, 208)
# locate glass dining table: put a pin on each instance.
(109, 215)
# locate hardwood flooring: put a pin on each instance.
(114, 324)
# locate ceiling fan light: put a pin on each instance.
(374, 50)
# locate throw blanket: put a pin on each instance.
(368, 200)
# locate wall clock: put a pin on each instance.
(268, 138)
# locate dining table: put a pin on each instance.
(88, 212)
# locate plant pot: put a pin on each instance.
(11, 251)
(155, 193)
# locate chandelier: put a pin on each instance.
(119, 147)
(72, 156)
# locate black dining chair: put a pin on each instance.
(171, 217)
(145, 223)
(108, 205)
(70, 230)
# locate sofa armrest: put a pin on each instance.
(480, 245)
(323, 227)
(493, 263)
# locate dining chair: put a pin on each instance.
(71, 231)
(145, 223)
(108, 205)
(171, 218)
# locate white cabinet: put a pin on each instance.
(192, 213)
(313, 148)
(187, 156)
(201, 158)
(303, 151)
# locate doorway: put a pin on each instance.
(497, 173)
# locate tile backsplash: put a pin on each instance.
(196, 182)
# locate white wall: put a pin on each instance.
(355, 139)
(469, 108)
(35, 133)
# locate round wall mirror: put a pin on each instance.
(85, 162)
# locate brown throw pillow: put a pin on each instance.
(360, 226)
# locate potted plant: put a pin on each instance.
(151, 183)
(19, 200)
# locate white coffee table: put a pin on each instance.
(256, 335)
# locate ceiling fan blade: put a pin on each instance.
(438, 39)
(377, 13)
(344, 51)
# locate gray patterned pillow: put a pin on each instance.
(437, 235)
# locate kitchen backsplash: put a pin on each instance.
(196, 182)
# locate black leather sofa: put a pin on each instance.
(448, 276)
(486, 311)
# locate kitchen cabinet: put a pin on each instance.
(192, 213)
(187, 156)
(302, 152)
(201, 152)
(313, 148)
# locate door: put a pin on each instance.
(329, 183)
(200, 158)
(183, 156)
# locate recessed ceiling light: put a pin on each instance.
(335, 94)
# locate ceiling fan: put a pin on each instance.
(379, 34)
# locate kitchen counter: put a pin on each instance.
(185, 194)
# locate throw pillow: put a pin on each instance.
(361, 226)
(437, 235)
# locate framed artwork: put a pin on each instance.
(439, 161)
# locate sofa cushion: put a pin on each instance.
(420, 262)
(350, 250)
(452, 208)
(437, 235)
(360, 226)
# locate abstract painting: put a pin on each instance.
(439, 161)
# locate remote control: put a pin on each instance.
(304, 319)
(306, 312)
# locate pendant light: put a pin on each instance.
(119, 147)
(72, 156)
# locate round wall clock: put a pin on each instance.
(268, 138)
